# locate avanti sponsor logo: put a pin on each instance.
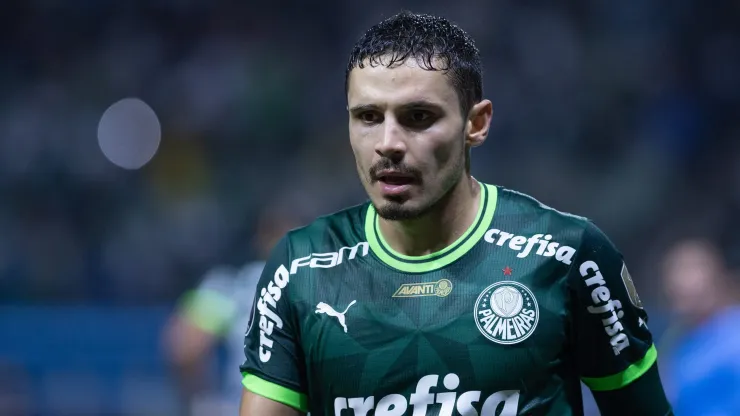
(266, 305)
(539, 244)
(440, 288)
(423, 401)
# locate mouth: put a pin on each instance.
(394, 183)
(395, 178)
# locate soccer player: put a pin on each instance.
(208, 315)
(702, 363)
(443, 295)
(217, 311)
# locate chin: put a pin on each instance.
(399, 211)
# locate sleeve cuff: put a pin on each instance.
(624, 378)
(275, 392)
(208, 310)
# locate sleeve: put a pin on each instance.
(273, 365)
(613, 346)
(211, 306)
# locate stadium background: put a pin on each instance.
(625, 112)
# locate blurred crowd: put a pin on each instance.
(625, 112)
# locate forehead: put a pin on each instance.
(402, 83)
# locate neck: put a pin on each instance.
(440, 227)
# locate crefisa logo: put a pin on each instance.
(506, 312)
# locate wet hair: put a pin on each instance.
(435, 43)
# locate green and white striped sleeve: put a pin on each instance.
(211, 306)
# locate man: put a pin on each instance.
(703, 364)
(208, 315)
(442, 295)
(218, 311)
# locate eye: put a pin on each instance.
(420, 116)
(369, 117)
(419, 119)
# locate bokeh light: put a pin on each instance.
(129, 133)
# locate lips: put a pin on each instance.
(394, 183)
(394, 178)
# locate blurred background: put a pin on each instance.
(142, 143)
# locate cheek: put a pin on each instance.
(448, 154)
(362, 155)
(361, 139)
(355, 142)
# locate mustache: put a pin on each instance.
(387, 164)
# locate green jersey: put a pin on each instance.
(506, 321)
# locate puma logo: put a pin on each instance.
(324, 308)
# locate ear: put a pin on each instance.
(478, 124)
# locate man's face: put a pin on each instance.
(408, 137)
(692, 273)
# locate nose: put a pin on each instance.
(393, 144)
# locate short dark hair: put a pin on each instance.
(434, 42)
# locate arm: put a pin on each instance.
(201, 318)
(185, 343)
(187, 349)
(644, 396)
(613, 347)
(274, 373)
(254, 405)
(195, 327)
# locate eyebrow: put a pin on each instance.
(406, 106)
(363, 107)
(420, 104)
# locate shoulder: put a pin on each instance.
(330, 229)
(520, 204)
(251, 268)
(250, 273)
(521, 208)
(325, 242)
(218, 279)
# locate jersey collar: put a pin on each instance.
(439, 259)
